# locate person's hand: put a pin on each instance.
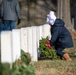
(2, 19)
(19, 21)
(50, 47)
(48, 44)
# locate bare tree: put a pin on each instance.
(63, 12)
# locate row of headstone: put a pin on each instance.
(27, 39)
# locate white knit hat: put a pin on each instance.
(51, 18)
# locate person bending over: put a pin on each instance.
(60, 35)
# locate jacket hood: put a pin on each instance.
(59, 22)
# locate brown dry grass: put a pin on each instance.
(55, 67)
(58, 67)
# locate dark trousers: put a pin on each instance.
(9, 24)
(59, 51)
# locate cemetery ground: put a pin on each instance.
(55, 67)
(58, 67)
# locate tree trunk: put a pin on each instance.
(59, 9)
(64, 12)
(0, 1)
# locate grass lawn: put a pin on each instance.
(57, 67)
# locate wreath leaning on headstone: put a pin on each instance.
(47, 50)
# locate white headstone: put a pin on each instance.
(34, 43)
(16, 49)
(40, 32)
(46, 31)
(29, 40)
(6, 49)
(39, 37)
(24, 45)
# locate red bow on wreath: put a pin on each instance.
(48, 44)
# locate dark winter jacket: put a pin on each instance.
(60, 35)
(10, 10)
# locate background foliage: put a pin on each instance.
(20, 66)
